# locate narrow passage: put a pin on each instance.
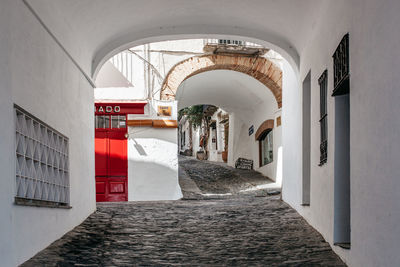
(218, 223)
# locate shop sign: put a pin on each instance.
(108, 109)
(164, 110)
(119, 108)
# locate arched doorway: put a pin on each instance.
(259, 68)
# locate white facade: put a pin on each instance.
(52, 80)
(373, 97)
(248, 103)
(185, 141)
(189, 137)
(38, 76)
(152, 158)
(138, 73)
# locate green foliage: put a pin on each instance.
(194, 114)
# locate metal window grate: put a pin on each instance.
(323, 84)
(42, 165)
(341, 68)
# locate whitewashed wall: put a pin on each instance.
(130, 73)
(215, 149)
(28, 56)
(153, 158)
(245, 146)
(374, 146)
(184, 130)
(248, 102)
(153, 164)
(38, 76)
(214, 154)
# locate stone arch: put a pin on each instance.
(264, 127)
(259, 68)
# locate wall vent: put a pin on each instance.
(42, 162)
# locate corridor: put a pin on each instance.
(219, 222)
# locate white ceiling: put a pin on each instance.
(232, 91)
(93, 30)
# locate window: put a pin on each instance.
(323, 84)
(341, 68)
(42, 168)
(266, 148)
(110, 121)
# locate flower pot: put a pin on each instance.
(200, 155)
(225, 156)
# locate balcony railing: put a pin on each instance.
(231, 46)
(231, 42)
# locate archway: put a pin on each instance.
(259, 68)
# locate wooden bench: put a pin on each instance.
(245, 164)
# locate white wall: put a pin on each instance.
(374, 146)
(37, 75)
(34, 65)
(184, 130)
(247, 101)
(152, 156)
(245, 146)
(153, 164)
(273, 169)
(140, 73)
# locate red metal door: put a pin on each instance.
(111, 165)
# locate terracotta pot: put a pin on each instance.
(201, 155)
(225, 156)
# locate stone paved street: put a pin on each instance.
(238, 230)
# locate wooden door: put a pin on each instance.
(111, 163)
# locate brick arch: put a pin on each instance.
(265, 126)
(259, 68)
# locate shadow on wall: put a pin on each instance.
(139, 148)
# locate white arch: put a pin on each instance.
(267, 39)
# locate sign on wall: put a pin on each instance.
(164, 111)
(251, 130)
(278, 121)
(119, 108)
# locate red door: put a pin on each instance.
(111, 161)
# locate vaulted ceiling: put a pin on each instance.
(231, 90)
(93, 30)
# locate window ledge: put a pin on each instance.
(322, 163)
(40, 203)
(343, 245)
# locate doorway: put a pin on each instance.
(111, 158)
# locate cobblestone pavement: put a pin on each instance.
(218, 178)
(239, 230)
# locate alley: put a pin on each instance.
(206, 228)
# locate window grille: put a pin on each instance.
(323, 84)
(341, 68)
(42, 162)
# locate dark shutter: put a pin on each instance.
(323, 85)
